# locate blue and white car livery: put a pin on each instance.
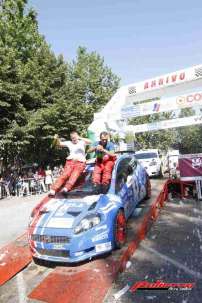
(85, 224)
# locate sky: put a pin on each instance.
(139, 39)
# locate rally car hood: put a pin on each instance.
(62, 213)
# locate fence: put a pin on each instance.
(23, 187)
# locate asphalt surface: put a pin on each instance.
(14, 216)
(16, 290)
(171, 252)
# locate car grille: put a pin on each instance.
(53, 252)
(50, 239)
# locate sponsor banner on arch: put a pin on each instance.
(165, 124)
(171, 79)
(163, 105)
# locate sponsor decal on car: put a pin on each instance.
(101, 227)
(60, 222)
(107, 208)
(103, 247)
(91, 199)
(75, 203)
(101, 236)
(58, 246)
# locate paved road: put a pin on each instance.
(14, 216)
(16, 290)
(171, 252)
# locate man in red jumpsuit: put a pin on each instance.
(105, 159)
(75, 163)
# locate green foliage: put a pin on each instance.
(40, 94)
(186, 139)
(115, 138)
(91, 82)
(161, 139)
(189, 139)
(130, 137)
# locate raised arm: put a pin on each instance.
(58, 142)
(85, 140)
(91, 149)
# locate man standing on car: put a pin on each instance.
(75, 163)
(105, 159)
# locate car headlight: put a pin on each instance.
(87, 223)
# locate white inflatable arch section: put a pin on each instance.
(173, 84)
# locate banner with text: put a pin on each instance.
(175, 78)
(163, 105)
(172, 123)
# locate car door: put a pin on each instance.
(140, 183)
(124, 184)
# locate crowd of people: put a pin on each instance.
(28, 181)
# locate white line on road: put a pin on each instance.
(21, 288)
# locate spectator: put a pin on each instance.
(56, 173)
(30, 173)
(48, 178)
(41, 178)
(1, 187)
(6, 184)
(18, 185)
(25, 186)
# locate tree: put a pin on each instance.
(40, 94)
(189, 138)
(161, 139)
(91, 81)
(31, 76)
(89, 85)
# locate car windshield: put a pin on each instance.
(84, 184)
(145, 155)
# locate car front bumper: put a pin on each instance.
(79, 247)
(152, 171)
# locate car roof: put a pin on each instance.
(147, 151)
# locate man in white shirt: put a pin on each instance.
(75, 163)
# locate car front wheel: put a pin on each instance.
(120, 229)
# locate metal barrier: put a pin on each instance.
(4, 190)
(23, 187)
(30, 186)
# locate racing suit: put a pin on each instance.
(104, 165)
(74, 166)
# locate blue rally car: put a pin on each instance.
(86, 224)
